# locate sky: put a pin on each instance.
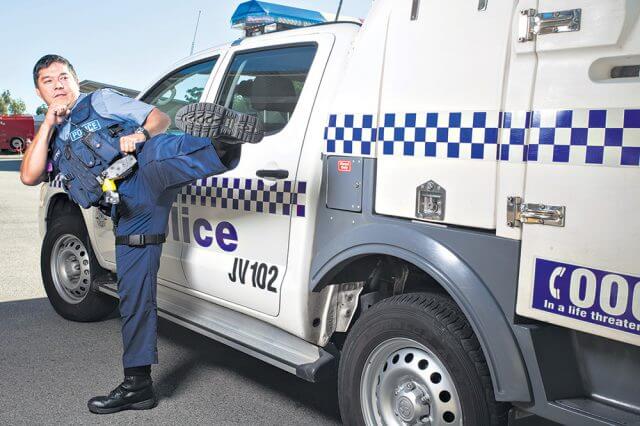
(128, 43)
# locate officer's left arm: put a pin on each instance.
(157, 122)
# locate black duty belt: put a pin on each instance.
(140, 240)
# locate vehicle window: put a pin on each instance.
(183, 87)
(267, 83)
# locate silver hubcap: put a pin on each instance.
(70, 268)
(404, 383)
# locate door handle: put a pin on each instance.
(273, 174)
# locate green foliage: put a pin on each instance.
(42, 109)
(11, 106)
(4, 105)
(17, 107)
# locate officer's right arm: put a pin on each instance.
(34, 164)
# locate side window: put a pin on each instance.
(182, 87)
(267, 83)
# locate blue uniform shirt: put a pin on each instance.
(111, 104)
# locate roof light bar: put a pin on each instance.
(259, 17)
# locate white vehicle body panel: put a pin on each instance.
(601, 193)
(441, 123)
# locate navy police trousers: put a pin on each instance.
(165, 163)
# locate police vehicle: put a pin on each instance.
(445, 206)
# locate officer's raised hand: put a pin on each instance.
(128, 142)
(157, 122)
(56, 113)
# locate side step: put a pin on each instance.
(242, 332)
(598, 411)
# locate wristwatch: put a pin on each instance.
(144, 131)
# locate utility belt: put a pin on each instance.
(140, 240)
(132, 240)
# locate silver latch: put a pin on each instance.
(533, 23)
(430, 201)
(541, 214)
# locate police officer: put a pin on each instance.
(165, 164)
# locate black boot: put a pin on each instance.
(135, 393)
(219, 123)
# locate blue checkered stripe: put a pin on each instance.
(464, 135)
(251, 195)
(609, 137)
(513, 136)
(351, 134)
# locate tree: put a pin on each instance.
(17, 106)
(42, 109)
(9, 105)
(4, 105)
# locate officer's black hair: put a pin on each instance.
(46, 61)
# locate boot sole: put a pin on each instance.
(217, 122)
(142, 405)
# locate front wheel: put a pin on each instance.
(414, 360)
(68, 267)
(17, 145)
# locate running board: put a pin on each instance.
(242, 332)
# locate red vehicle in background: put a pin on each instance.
(16, 131)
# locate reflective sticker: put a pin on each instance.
(92, 126)
(344, 166)
(76, 134)
(608, 299)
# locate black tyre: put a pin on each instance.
(68, 267)
(414, 359)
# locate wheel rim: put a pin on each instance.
(70, 268)
(405, 383)
(16, 144)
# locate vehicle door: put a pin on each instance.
(440, 104)
(180, 87)
(240, 220)
(580, 269)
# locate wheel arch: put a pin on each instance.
(454, 276)
(56, 204)
(59, 203)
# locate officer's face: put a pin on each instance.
(56, 84)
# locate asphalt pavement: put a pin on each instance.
(50, 367)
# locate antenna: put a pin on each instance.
(193, 43)
(338, 12)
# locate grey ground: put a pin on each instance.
(49, 367)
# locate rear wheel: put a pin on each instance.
(68, 268)
(414, 360)
(16, 145)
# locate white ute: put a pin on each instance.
(444, 207)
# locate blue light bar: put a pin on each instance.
(259, 14)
